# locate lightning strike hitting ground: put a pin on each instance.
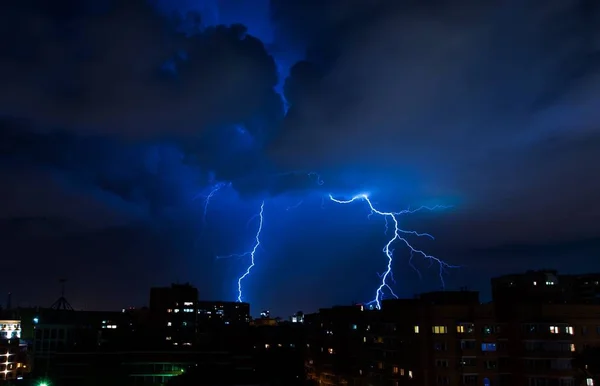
(251, 253)
(398, 232)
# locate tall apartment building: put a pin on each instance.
(337, 348)
(528, 335)
(174, 311)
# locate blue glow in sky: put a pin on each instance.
(125, 163)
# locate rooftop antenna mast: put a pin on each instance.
(61, 303)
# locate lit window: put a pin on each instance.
(176, 310)
(554, 330)
(395, 369)
(188, 303)
(570, 330)
(549, 283)
(460, 329)
(168, 338)
(169, 310)
(267, 345)
(535, 283)
(439, 329)
(572, 347)
(330, 350)
(364, 339)
(589, 382)
(401, 371)
(169, 324)
(410, 373)
(380, 365)
(354, 326)
(488, 347)
(416, 329)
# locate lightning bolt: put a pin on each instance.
(252, 252)
(398, 232)
(214, 190)
(294, 206)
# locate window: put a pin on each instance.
(416, 329)
(169, 324)
(439, 329)
(440, 346)
(468, 344)
(530, 328)
(468, 362)
(566, 382)
(442, 380)
(402, 372)
(554, 330)
(589, 382)
(395, 370)
(570, 330)
(441, 363)
(488, 347)
(330, 350)
(465, 328)
(469, 379)
(490, 365)
(354, 326)
(410, 374)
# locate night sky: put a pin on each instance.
(118, 118)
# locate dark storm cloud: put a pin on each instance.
(123, 69)
(495, 103)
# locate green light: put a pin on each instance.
(43, 384)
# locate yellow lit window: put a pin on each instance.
(416, 329)
(460, 329)
(401, 371)
(439, 329)
(395, 370)
(330, 350)
(573, 347)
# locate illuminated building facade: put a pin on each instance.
(10, 329)
(451, 338)
(174, 311)
(337, 349)
(298, 317)
(14, 362)
(226, 313)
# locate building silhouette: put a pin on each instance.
(531, 334)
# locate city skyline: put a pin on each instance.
(133, 162)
